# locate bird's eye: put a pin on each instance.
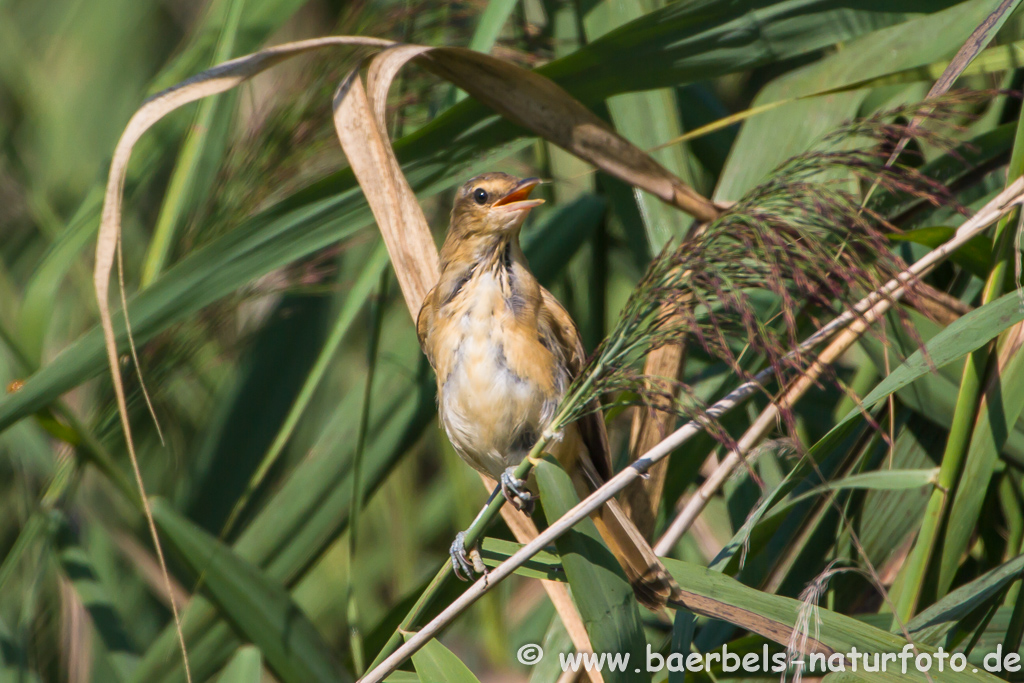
(480, 195)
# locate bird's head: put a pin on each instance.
(493, 204)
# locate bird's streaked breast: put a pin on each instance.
(496, 391)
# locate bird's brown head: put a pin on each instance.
(492, 204)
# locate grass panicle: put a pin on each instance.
(802, 237)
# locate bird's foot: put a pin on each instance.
(465, 563)
(515, 492)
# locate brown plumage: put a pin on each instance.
(505, 351)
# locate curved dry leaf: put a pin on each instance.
(541, 106)
(537, 103)
(524, 97)
(392, 201)
(210, 82)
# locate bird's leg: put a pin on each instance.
(463, 562)
(515, 492)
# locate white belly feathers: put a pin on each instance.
(492, 415)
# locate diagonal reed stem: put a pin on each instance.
(881, 298)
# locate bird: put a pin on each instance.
(504, 352)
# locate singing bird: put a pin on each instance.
(504, 351)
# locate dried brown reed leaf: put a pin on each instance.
(526, 98)
(399, 216)
(535, 102)
(651, 423)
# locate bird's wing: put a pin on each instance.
(591, 426)
(651, 582)
(425, 320)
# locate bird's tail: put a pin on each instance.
(651, 582)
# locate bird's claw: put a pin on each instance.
(515, 492)
(460, 560)
(465, 563)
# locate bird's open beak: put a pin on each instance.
(518, 199)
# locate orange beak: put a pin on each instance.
(518, 199)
